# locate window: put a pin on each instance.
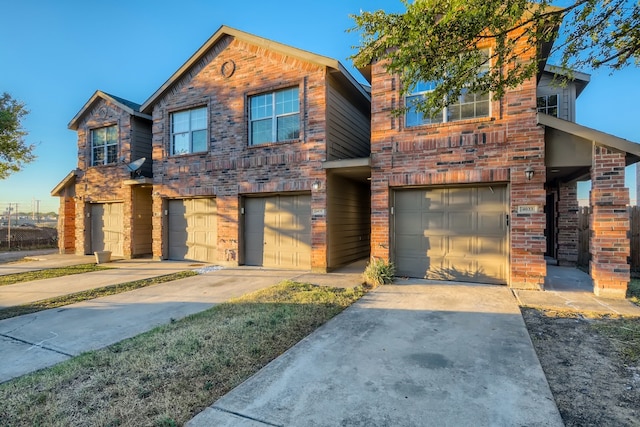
(189, 131)
(469, 104)
(274, 116)
(548, 104)
(104, 145)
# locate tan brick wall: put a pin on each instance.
(609, 224)
(230, 168)
(479, 151)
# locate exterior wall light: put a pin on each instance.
(316, 185)
(528, 173)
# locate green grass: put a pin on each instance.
(166, 376)
(63, 300)
(29, 276)
(625, 335)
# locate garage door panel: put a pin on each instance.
(192, 227)
(457, 234)
(107, 232)
(278, 231)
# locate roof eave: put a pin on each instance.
(74, 123)
(66, 181)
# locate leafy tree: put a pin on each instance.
(439, 40)
(14, 152)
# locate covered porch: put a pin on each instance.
(576, 153)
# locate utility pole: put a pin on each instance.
(9, 228)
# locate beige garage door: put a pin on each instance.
(193, 231)
(278, 231)
(452, 234)
(107, 228)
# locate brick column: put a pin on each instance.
(228, 209)
(609, 224)
(568, 224)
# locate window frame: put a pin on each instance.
(445, 116)
(545, 109)
(105, 147)
(190, 131)
(273, 117)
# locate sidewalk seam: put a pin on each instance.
(36, 345)
(267, 423)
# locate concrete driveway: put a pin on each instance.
(39, 340)
(410, 354)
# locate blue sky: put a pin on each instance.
(55, 54)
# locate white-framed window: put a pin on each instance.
(104, 145)
(274, 116)
(548, 104)
(468, 105)
(189, 131)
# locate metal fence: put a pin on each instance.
(17, 238)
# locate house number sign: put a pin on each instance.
(527, 209)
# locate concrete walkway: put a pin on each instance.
(39, 340)
(121, 272)
(415, 353)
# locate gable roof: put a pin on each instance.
(66, 181)
(333, 64)
(580, 79)
(130, 107)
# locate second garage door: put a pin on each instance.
(193, 230)
(452, 233)
(277, 231)
(106, 228)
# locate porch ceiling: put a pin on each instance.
(355, 169)
(569, 148)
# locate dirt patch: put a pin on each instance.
(593, 382)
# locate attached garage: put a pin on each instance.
(192, 230)
(458, 234)
(277, 231)
(107, 228)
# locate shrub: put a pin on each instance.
(379, 272)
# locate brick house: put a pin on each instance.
(103, 205)
(264, 154)
(483, 191)
(249, 136)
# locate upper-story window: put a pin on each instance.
(189, 131)
(274, 116)
(548, 104)
(468, 105)
(104, 145)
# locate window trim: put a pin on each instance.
(116, 143)
(274, 115)
(190, 132)
(445, 112)
(545, 109)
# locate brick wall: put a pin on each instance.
(102, 183)
(609, 224)
(568, 232)
(231, 168)
(480, 151)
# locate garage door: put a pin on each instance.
(193, 230)
(278, 231)
(107, 228)
(452, 234)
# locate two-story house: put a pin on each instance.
(250, 146)
(105, 205)
(482, 190)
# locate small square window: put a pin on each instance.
(274, 116)
(189, 131)
(104, 145)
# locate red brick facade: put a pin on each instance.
(496, 149)
(231, 168)
(567, 220)
(609, 224)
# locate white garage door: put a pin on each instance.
(278, 231)
(193, 231)
(107, 228)
(452, 234)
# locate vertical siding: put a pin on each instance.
(141, 143)
(348, 125)
(349, 219)
(142, 213)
